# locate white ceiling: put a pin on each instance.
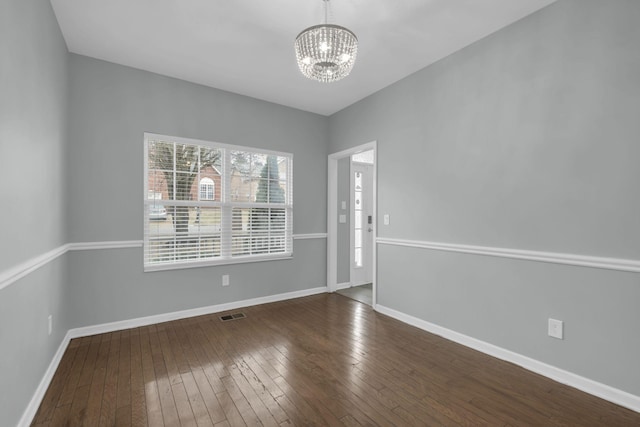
(246, 46)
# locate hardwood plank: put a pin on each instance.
(248, 379)
(179, 347)
(96, 391)
(123, 416)
(299, 404)
(110, 388)
(207, 358)
(349, 421)
(78, 408)
(89, 364)
(264, 386)
(138, 399)
(411, 419)
(152, 396)
(196, 400)
(323, 360)
(169, 360)
(265, 407)
(343, 398)
(60, 415)
(231, 411)
(216, 413)
(183, 407)
(58, 382)
(167, 402)
(82, 348)
(244, 408)
(324, 406)
(123, 392)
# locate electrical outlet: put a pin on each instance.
(50, 323)
(556, 328)
(225, 280)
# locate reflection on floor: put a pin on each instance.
(363, 293)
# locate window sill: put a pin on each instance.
(216, 262)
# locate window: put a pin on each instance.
(363, 157)
(358, 225)
(207, 189)
(208, 203)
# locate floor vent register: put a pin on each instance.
(234, 316)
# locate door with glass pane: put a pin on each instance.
(362, 223)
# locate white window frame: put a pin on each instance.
(226, 204)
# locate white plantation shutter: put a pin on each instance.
(244, 213)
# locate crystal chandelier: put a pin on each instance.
(325, 52)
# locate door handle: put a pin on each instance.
(370, 230)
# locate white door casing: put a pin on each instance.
(332, 217)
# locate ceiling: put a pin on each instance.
(246, 46)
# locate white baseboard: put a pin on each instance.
(183, 314)
(600, 390)
(344, 285)
(34, 404)
(36, 400)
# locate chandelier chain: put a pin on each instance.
(326, 11)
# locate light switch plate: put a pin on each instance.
(344, 205)
(386, 219)
(342, 219)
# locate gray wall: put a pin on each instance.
(344, 230)
(33, 127)
(527, 139)
(32, 130)
(111, 106)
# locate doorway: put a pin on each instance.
(351, 248)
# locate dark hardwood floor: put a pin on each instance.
(323, 360)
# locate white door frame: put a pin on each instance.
(332, 215)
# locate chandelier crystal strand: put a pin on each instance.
(326, 52)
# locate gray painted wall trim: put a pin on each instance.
(14, 274)
(587, 385)
(551, 257)
(34, 404)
